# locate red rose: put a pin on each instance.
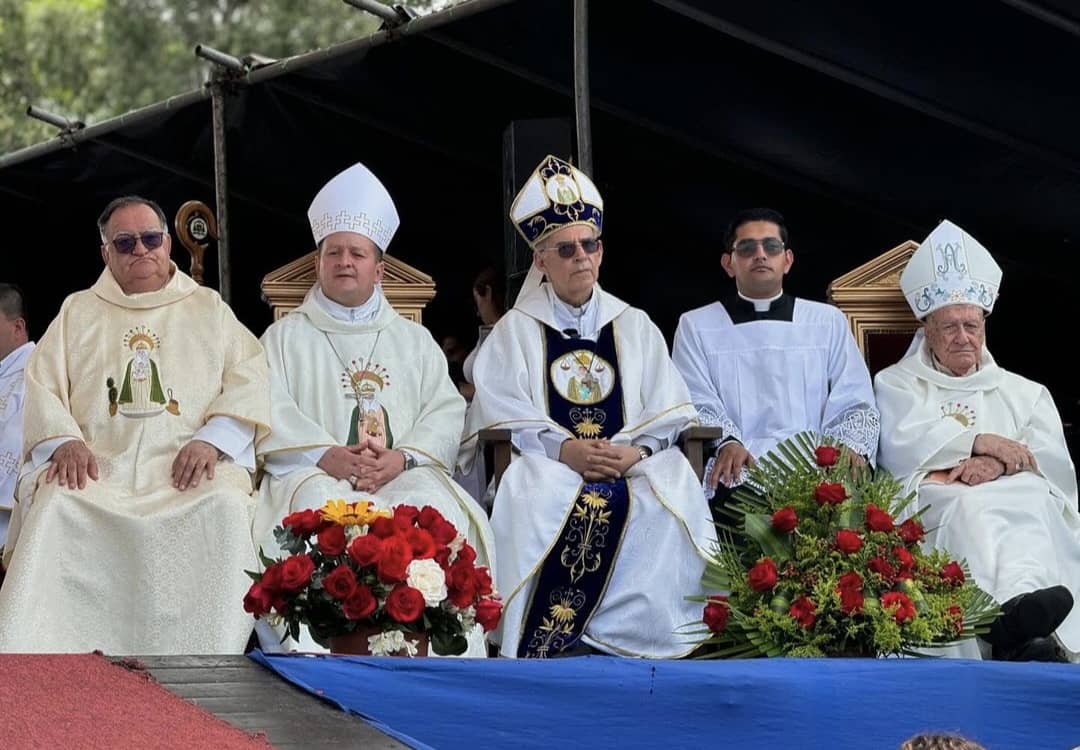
(716, 614)
(442, 556)
(383, 527)
(467, 553)
(905, 609)
(956, 615)
(271, 583)
(488, 612)
(394, 563)
(851, 580)
(911, 531)
(484, 585)
(296, 573)
(826, 455)
(762, 577)
(802, 609)
(360, 605)
(784, 520)
(848, 541)
(881, 566)
(443, 532)
(258, 600)
(904, 559)
(303, 522)
(851, 596)
(332, 540)
(877, 519)
(405, 517)
(405, 604)
(953, 574)
(422, 545)
(341, 582)
(429, 517)
(461, 584)
(366, 550)
(831, 493)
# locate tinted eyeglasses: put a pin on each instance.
(568, 250)
(746, 248)
(125, 243)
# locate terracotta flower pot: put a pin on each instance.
(356, 642)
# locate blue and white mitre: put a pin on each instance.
(555, 196)
(950, 268)
(354, 201)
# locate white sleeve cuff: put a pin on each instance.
(43, 451)
(232, 437)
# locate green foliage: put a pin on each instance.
(925, 606)
(91, 60)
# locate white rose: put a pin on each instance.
(390, 642)
(428, 578)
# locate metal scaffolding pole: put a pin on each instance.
(221, 190)
(582, 105)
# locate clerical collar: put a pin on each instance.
(15, 357)
(359, 314)
(745, 310)
(576, 322)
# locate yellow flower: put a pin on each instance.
(562, 613)
(593, 500)
(587, 428)
(352, 514)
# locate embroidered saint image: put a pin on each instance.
(141, 394)
(581, 377)
(369, 419)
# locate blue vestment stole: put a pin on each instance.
(584, 395)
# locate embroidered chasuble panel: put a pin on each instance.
(408, 289)
(871, 299)
(584, 392)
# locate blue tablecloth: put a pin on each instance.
(603, 702)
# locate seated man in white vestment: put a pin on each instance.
(985, 449)
(144, 401)
(599, 520)
(763, 365)
(363, 404)
(15, 348)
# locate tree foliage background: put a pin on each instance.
(90, 60)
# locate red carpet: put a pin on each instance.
(76, 701)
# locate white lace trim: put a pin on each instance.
(728, 429)
(858, 429)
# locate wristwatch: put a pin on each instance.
(410, 462)
(644, 451)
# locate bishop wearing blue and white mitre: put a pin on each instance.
(599, 521)
(363, 407)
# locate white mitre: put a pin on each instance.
(354, 201)
(950, 268)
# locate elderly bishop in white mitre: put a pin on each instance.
(363, 406)
(985, 449)
(600, 520)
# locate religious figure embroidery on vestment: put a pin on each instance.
(141, 393)
(959, 411)
(369, 420)
(582, 377)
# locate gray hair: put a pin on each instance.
(123, 202)
(12, 302)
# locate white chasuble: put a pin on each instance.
(660, 560)
(333, 381)
(12, 369)
(762, 379)
(1018, 533)
(130, 565)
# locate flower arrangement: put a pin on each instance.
(815, 564)
(353, 568)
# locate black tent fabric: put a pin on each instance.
(865, 124)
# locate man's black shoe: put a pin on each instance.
(1023, 618)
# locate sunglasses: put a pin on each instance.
(125, 243)
(567, 250)
(746, 248)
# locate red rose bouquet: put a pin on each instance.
(352, 567)
(814, 563)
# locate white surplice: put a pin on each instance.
(660, 561)
(314, 357)
(1018, 533)
(11, 416)
(131, 565)
(762, 381)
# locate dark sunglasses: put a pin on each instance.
(125, 243)
(746, 248)
(567, 250)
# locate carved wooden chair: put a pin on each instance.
(871, 299)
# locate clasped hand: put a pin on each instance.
(1014, 455)
(368, 466)
(598, 460)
